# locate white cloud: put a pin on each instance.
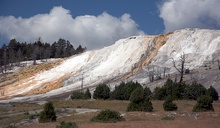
(90, 31)
(179, 14)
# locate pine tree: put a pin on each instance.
(48, 114)
(168, 105)
(87, 94)
(139, 102)
(102, 91)
(213, 93)
(204, 103)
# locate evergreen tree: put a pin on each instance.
(130, 87)
(102, 91)
(168, 105)
(213, 93)
(147, 92)
(48, 114)
(139, 102)
(77, 95)
(204, 103)
(137, 95)
(195, 90)
(87, 94)
(119, 92)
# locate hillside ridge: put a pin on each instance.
(127, 59)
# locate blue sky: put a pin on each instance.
(99, 23)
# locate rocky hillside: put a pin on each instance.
(133, 58)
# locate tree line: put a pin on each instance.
(15, 52)
(140, 97)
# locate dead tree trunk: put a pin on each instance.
(181, 68)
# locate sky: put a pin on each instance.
(99, 23)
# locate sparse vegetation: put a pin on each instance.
(108, 116)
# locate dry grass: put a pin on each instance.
(182, 118)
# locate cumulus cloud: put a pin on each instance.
(88, 30)
(179, 14)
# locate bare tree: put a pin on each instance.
(35, 55)
(180, 68)
(151, 73)
(165, 70)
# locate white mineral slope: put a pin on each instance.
(199, 46)
(94, 66)
(107, 64)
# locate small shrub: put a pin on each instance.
(48, 114)
(77, 95)
(168, 105)
(67, 125)
(108, 116)
(204, 103)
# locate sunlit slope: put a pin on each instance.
(126, 59)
